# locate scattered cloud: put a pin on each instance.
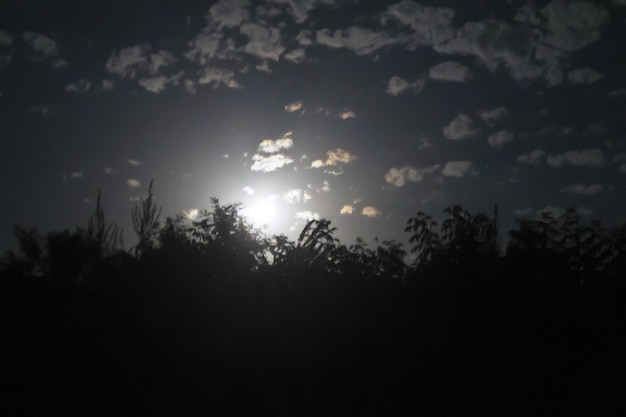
(347, 114)
(229, 13)
(523, 212)
(583, 76)
(133, 162)
(450, 71)
(589, 157)
(460, 128)
(248, 190)
(297, 196)
(400, 176)
(347, 209)
(79, 87)
(432, 25)
(334, 157)
(41, 45)
(294, 106)
(269, 163)
(397, 86)
(620, 92)
(532, 158)
(263, 42)
(157, 84)
(133, 183)
(296, 56)
(75, 175)
(109, 170)
(457, 169)
(371, 211)
(307, 215)
(191, 214)
(500, 138)
(582, 189)
(129, 61)
(299, 9)
(362, 41)
(275, 145)
(218, 76)
(492, 117)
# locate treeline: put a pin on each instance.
(211, 317)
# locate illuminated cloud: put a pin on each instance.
(133, 162)
(275, 145)
(460, 128)
(269, 163)
(157, 84)
(41, 45)
(229, 13)
(457, 169)
(500, 138)
(532, 158)
(79, 86)
(583, 76)
(362, 41)
(347, 209)
(295, 106)
(397, 86)
(263, 42)
(296, 196)
(371, 211)
(400, 176)
(347, 114)
(431, 25)
(580, 189)
(296, 56)
(76, 175)
(307, 215)
(218, 76)
(248, 190)
(450, 71)
(129, 61)
(191, 214)
(492, 117)
(133, 183)
(299, 9)
(589, 158)
(110, 171)
(334, 157)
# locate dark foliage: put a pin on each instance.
(210, 317)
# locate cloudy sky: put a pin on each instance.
(358, 111)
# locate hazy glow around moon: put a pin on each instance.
(261, 213)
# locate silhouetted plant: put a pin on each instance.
(146, 221)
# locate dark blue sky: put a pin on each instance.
(360, 112)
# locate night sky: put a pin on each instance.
(361, 112)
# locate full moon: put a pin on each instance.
(261, 213)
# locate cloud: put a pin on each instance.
(299, 9)
(269, 163)
(5, 60)
(523, 212)
(109, 170)
(337, 156)
(582, 189)
(133, 162)
(450, 71)
(248, 190)
(555, 211)
(397, 86)
(492, 117)
(532, 158)
(229, 13)
(157, 84)
(307, 215)
(129, 61)
(304, 37)
(361, 41)
(273, 146)
(296, 196)
(589, 157)
(371, 211)
(432, 25)
(457, 169)
(263, 42)
(583, 76)
(75, 175)
(400, 176)
(133, 183)
(295, 106)
(191, 214)
(347, 114)
(460, 128)
(500, 138)
(217, 76)
(41, 45)
(6, 39)
(347, 209)
(622, 168)
(79, 87)
(296, 56)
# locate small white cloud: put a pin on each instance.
(110, 171)
(492, 117)
(297, 196)
(106, 85)
(532, 158)
(399, 176)
(190, 86)
(76, 175)
(275, 145)
(218, 76)
(397, 86)
(580, 189)
(229, 13)
(269, 163)
(129, 61)
(295, 106)
(500, 138)
(460, 128)
(371, 211)
(347, 114)
(457, 169)
(450, 71)
(79, 86)
(583, 76)
(589, 157)
(41, 45)
(263, 42)
(191, 214)
(248, 190)
(133, 183)
(347, 209)
(325, 187)
(362, 41)
(307, 215)
(523, 212)
(133, 162)
(296, 56)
